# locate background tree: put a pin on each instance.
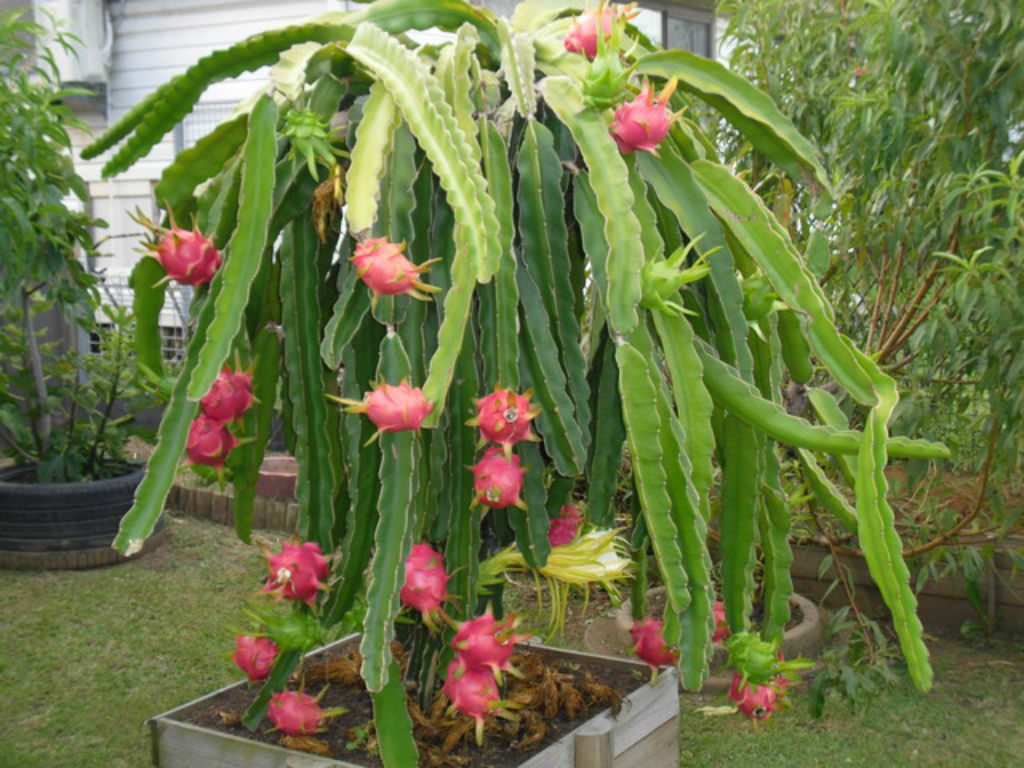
(919, 109)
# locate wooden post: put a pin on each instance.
(594, 749)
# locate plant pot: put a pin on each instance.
(64, 525)
(277, 478)
(645, 732)
(805, 638)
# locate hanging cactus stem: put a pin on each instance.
(590, 251)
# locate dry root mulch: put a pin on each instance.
(551, 697)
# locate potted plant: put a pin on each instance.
(588, 264)
(64, 415)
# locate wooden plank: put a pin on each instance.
(658, 748)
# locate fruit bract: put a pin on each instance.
(721, 625)
(472, 691)
(498, 480)
(295, 713)
(504, 417)
(643, 122)
(484, 642)
(229, 397)
(755, 701)
(188, 257)
(562, 530)
(255, 656)
(298, 572)
(426, 582)
(582, 37)
(649, 645)
(209, 442)
(381, 265)
(394, 408)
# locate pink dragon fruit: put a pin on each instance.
(472, 691)
(498, 480)
(255, 656)
(209, 442)
(643, 122)
(755, 701)
(295, 713)
(504, 417)
(649, 645)
(562, 530)
(188, 257)
(393, 409)
(426, 582)
(483, 642)
(721, 625)
(298, 572)
(386, 271)
(582, 37)
(229, 397)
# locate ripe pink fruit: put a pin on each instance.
(755, 701)
(582, 37)
(497, 480)
(386, 271)
(188, 257)
(504, 417)
(472, 691)
(393, 409)
(426, 582)
(295, 713)
(721, 626)
(209, 442)
(297, 572)
(649, 645)
(643, 122)
(562, 530)
(229, 397)
(255, 656)
(483, 642)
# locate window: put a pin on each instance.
(200, 121)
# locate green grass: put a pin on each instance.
(87, 656)
(973, 716)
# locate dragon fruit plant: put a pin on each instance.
(585, 244)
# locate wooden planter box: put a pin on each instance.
(644, 734)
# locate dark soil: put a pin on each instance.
(555, 696)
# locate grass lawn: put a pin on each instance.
(87, 656)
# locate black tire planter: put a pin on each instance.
(64, 525)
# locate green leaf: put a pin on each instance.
(394, 726)
(396, 527)
(744, 401)
(531, 526)
(544, 242)
(199, 163)
(643, 426)
(563, 438)
(609, 179)
(317, 481)
(162, 465)
(430, 117)
(518, 66)
(266, 370)
(245, 251)
(159, 112)
(768, 244)
(749, 109)
(609, 437)
(506, 289)
(148, 294)
(369, 159)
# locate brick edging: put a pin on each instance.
(210, 504)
